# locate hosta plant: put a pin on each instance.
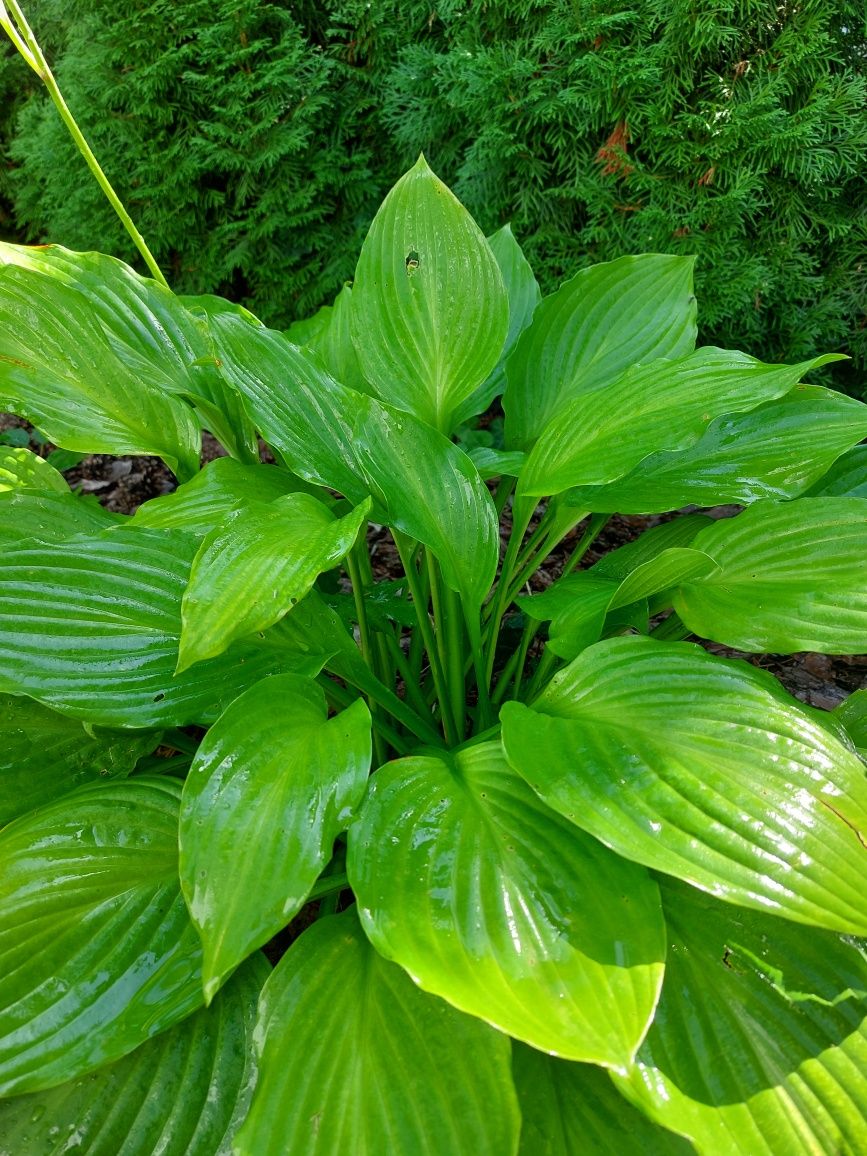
(570, 882)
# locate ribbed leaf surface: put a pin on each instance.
(273, 784)
(847, 478)
(92, 626)
(790, 577)
(599, 323)
(256, 566)
(97, 951)
(183, 1093)
(489, 900)
(21, 469)
(665, 405)
(48, 516)
(354, 1058)
(429, 311)
(759, 1044)
(332, 342)
(705, 769)
(43, 755)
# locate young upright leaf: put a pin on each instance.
(665, 405)
(184, 1093)
(420, 482)
(429, 310)
(596, 326)
(759, 1043)
(705, 769)
(354, 1058)
(487, 898)
(790, 577)
(273, 784)
(21, 469)
(59, 369)
(256, 566)
(97, 951)
(43, 755)
(333, 343)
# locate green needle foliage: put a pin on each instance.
(581, 885)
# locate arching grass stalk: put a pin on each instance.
(20, 33)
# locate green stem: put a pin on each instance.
(327, 885)
(448, 624)
(410, 681)
(503, 493)
(671, 629)
(522, 512)
(541, 674)
(180, 741)
(27, 44)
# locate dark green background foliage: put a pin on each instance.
(254, 141)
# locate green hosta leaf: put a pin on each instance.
(775, 451)
(183, 1093)
(274, 783)
(574, 1110)
(665, 405)
(21, 469)
(59, 369)
(421, 483)
(220, 488)
(256, 566)
(576, 607)
(493, 463)
(524, 295)
(596, 326)
(847, 478)
(705, 769)
(65, 459)
(43, 755)
(852, 713)
(150, 332)
(97, 951)
(48, 516)
(790, 577)
(759, 1044)
(429, 310)
(489, 900)
(354, 1058)
(92, 626)
(333, 343)
(619, 563)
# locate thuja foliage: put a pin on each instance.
(733, 131)
(581, 885)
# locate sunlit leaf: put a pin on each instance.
(21, 469)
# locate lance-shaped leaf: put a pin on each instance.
(666, 405)
(43, 755)
(97, 951)
(92, 626)
(775, 451)
(256, 566)
(274, 783)
(150, 332)
(705, 769)
(572, 1109)
(429, 310)
(184, 1093)
(599, 323)
(421, 483)
(21, 469)
(332, 342)
(759, 1044)
(59, 370)
(790, 577)
(847, 478)
(48, 516)
(354, 1058)
(489, 900)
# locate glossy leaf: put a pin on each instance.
(333, 343)
(597, 325)
(420, 482)
(852, 713)
(256, 566)
(92, 626)
(150, 332)
(790, 578)
(429, 310)
(572, 1109)
(274, 783)
(704, 769)
(183, 1093)
(759, 1044)
(490, 900)
(775, 451)
(59, 370)
(44, 755)
(97, 951)
(21, 469)
(665, 405)
(847, 478)
(47, 516)
(493, 463)
(354, 1058)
